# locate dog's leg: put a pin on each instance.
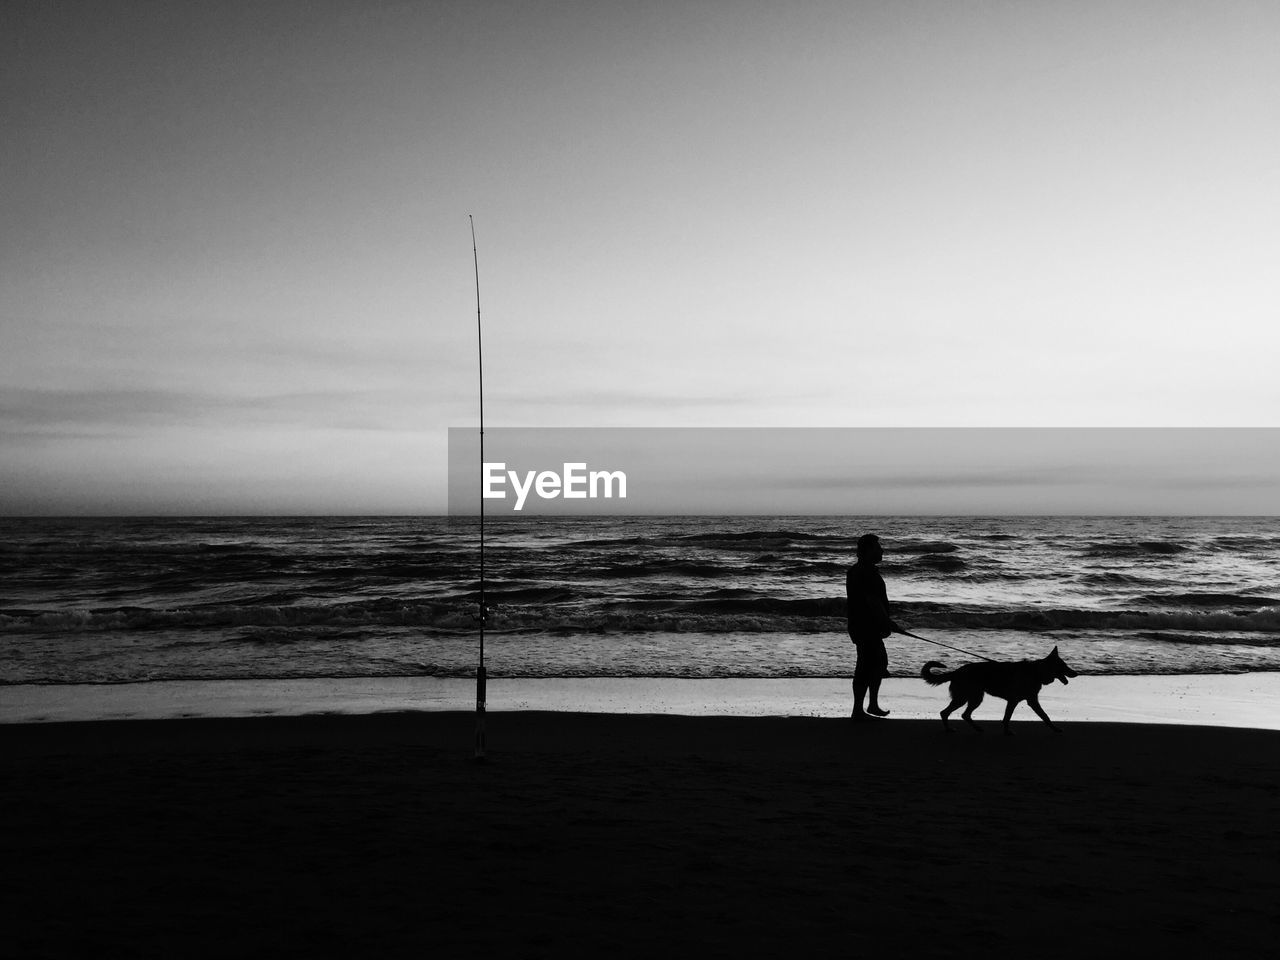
(1035, 705)
(955, 702)
(1008, 714)
(967, 716)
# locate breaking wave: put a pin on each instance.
(557, 609)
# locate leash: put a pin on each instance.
(939, 643)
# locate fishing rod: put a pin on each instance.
(939, 643)
(480, 671)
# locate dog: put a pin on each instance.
(1013, 682)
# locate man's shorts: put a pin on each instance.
(873, 659)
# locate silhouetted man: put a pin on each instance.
(869, 624)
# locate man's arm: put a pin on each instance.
(881, 605)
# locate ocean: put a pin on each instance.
(122, 600)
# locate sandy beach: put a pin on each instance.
(630, 834)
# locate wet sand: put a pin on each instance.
(636, 834)
(1236, 700)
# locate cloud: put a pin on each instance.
(1057, 475)
(27, 412)
(639, 400)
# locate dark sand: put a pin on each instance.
(630, 835)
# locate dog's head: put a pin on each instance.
(1056, 668)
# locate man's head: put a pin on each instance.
(869, 549)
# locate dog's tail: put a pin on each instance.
(934, 679)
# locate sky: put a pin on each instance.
(236, 266)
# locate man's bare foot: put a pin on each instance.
(877, 711)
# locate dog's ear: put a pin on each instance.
(1055, 652)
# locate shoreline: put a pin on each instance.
(1249, 700)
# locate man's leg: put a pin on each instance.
(873, 703)
(878, 662)
(859, 694)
